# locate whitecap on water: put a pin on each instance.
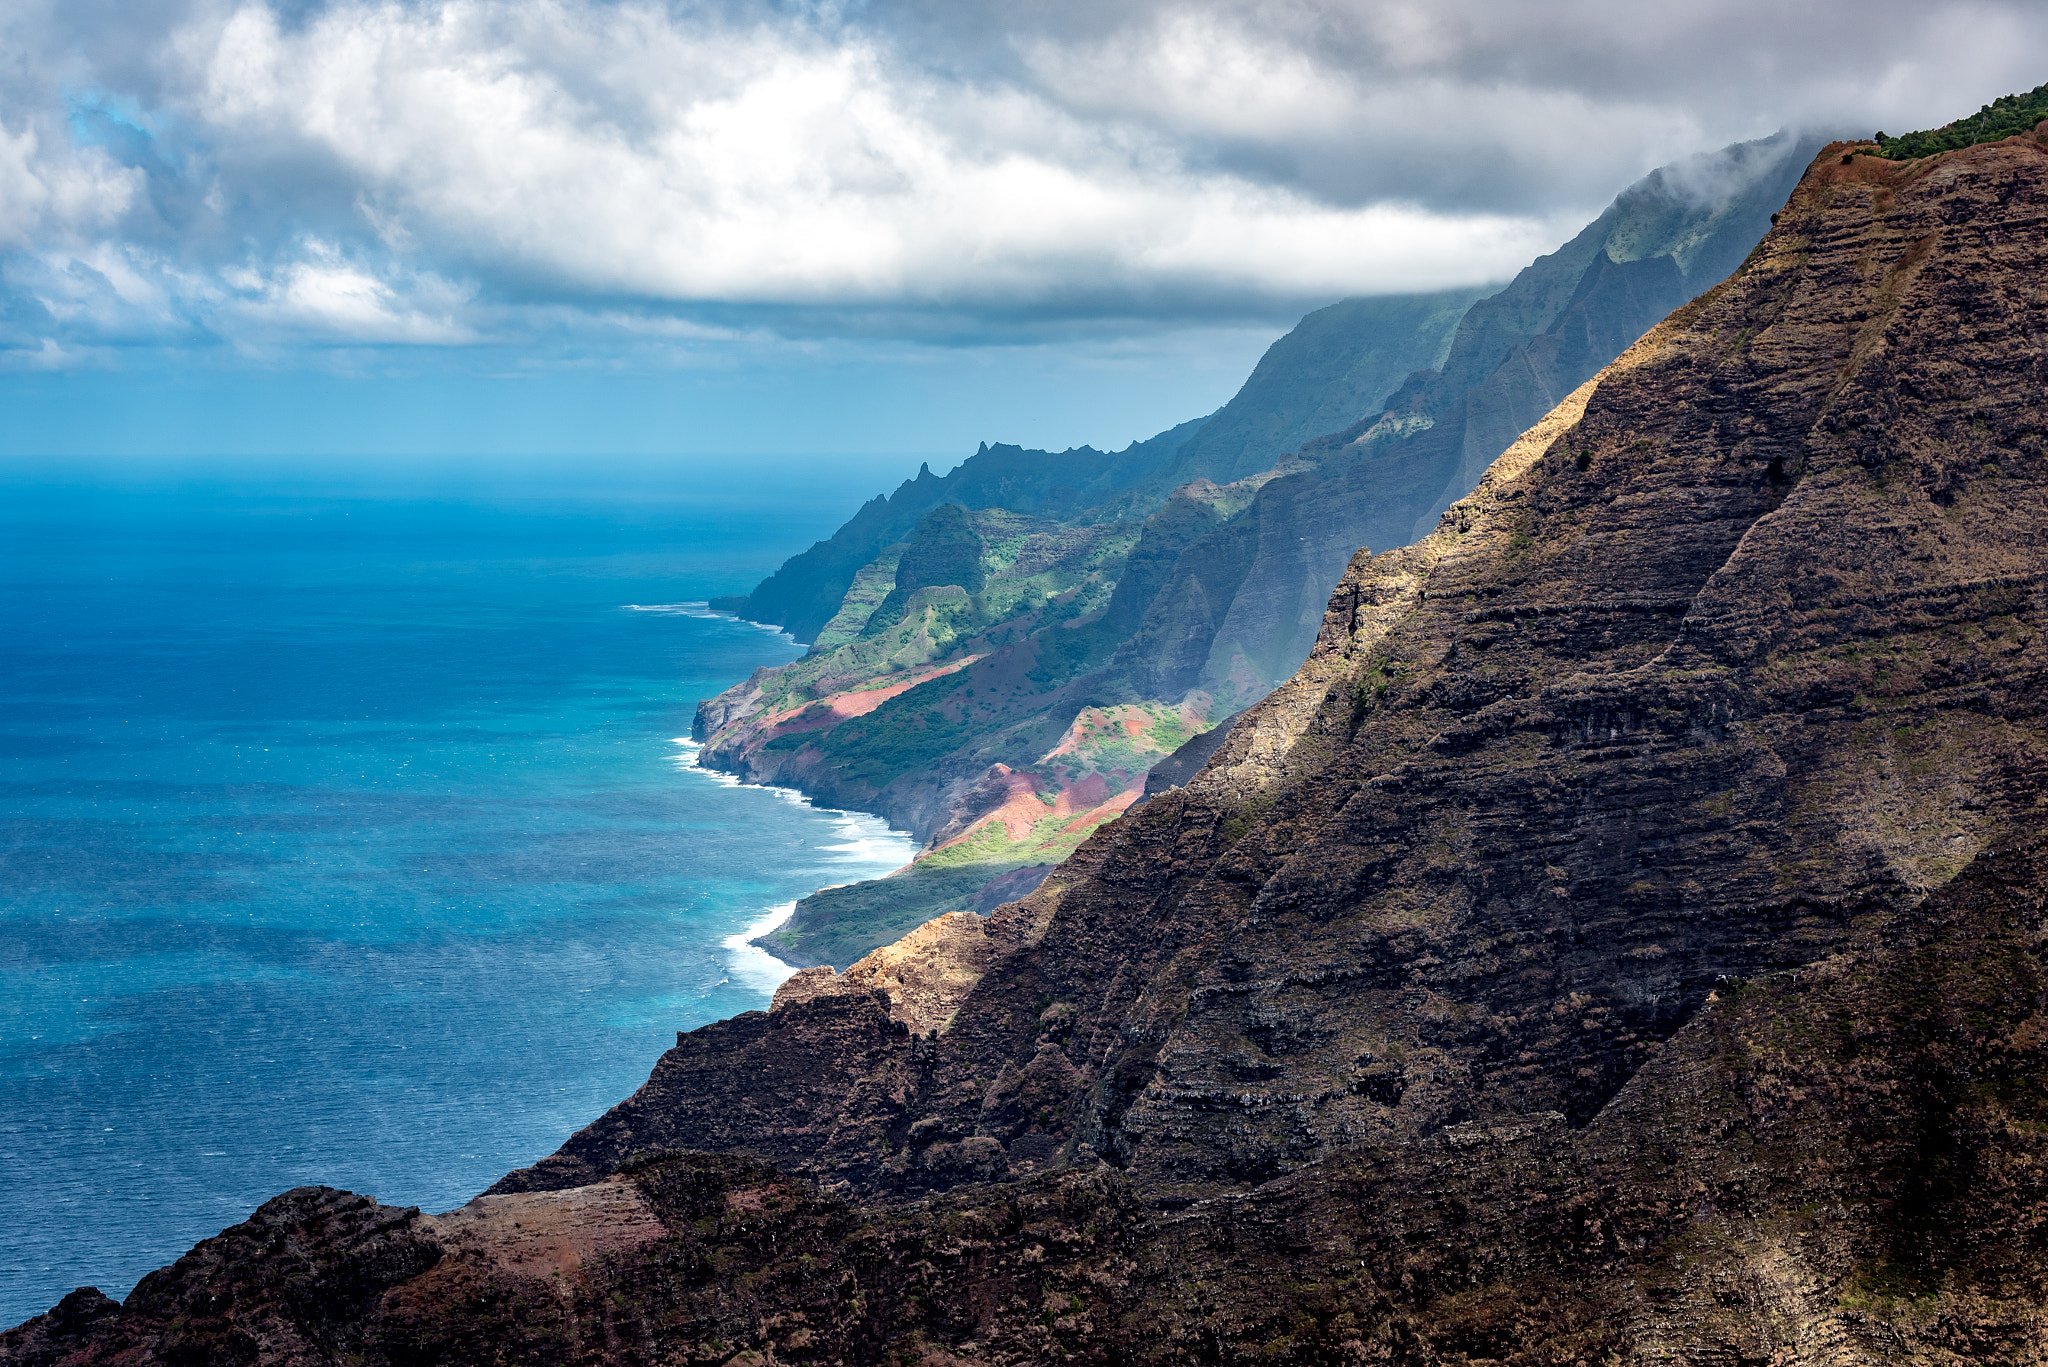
(757, 968)
(856, 838)
(703, 608)
(700, 608)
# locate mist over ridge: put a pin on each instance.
(703, 207)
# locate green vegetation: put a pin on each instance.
(875, 581)
(991, 850)
(1023, 575)
(807, 592)
(1064, 654)
(1371, 690)
(2003, 117)
(838, 925)
(910, 731)
(1239, 823)
(1104, 744)
(945, 550)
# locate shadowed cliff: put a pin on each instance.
(1621, 941)
(1002, 723)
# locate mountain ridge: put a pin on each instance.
(1622, 940)
(1222, 594)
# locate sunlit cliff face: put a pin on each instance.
(284, 175)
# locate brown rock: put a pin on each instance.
(1623, 941)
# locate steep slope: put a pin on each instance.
(1724, 699)
(1384, 480)
(1336, 366)
(1223, 593)
(1622, 941)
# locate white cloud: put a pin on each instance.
(44, 196)
(323, 296)
(433, 172)
(45, 354)
(768, 164)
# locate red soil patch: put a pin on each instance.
(1116, 806)
(833, 708)
(1093, 722)
(1090, 793)
(1019, 810)
(1021, 807)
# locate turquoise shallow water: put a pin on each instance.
(348, 832)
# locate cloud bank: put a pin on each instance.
(260, 180)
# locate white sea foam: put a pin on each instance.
(696, 609)
(703, 609)
(857, 838)
(757, 968)
(873, 843)
(687, 762)
(868, 840)
(793, 796)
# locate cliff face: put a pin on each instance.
(1222, 594)
(1622, 940)
(1242, 608)
(1336, 366)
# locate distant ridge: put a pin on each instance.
(1619, 942)
(1000, 710)
(805, 593)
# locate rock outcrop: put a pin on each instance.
(1623, 939)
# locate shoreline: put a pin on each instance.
(764, 927)
(710, 611)
(745, 959)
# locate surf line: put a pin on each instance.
(701, 608)
(850, 841)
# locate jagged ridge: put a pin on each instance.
(1223, 593)
(1621, 941)
(1721, 700)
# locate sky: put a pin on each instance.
(571, 227)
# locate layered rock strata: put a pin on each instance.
(1623, 940)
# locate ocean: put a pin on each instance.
(349, 830)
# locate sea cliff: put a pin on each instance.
(1621, 940)
(1001, 684)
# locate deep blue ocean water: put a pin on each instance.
(348, 833)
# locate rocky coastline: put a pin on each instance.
(1624, 939)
